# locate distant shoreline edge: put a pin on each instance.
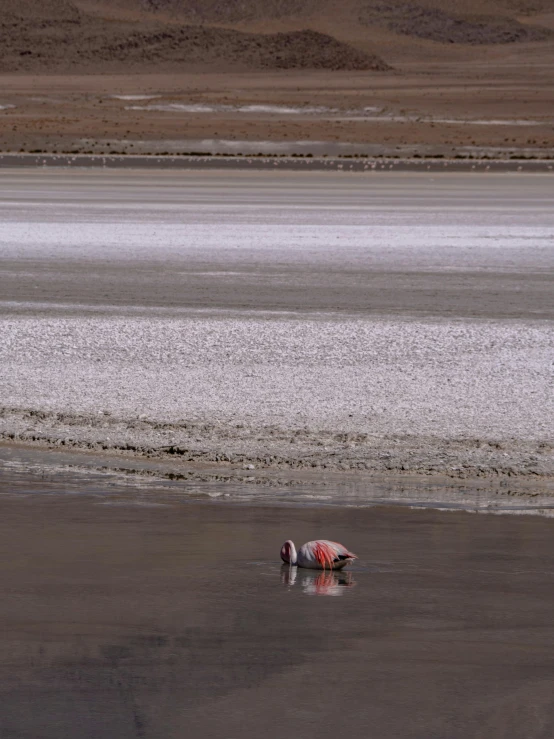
(296, 162)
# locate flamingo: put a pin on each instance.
(317, 555)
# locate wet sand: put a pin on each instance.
(381, 323)
(157, 478)
(122, 618)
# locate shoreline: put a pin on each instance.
(269, 455)
(295, 162)
(29, 468)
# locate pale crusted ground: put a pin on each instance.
(385, 323)
(337, 393)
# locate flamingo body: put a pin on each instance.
(317, 555)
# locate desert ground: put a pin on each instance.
(393, 78)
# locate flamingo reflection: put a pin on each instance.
(327, 582)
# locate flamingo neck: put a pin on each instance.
(288, 553)
(293, 556)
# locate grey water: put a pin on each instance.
(124, 616)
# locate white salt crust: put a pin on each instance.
(245, 382)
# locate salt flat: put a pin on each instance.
(384, 321)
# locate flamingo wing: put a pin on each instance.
(323, 554)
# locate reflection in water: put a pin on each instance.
(317, 582)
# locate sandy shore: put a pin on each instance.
(396, 323)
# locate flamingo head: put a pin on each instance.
(288, 553)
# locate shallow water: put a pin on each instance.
(123, 618)
(118, 479)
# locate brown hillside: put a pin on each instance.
(39, 10)
(233, 11)
(97, 35)
(58, 35)
(197, 45)
(61, 44)
(437, 25)
(245, 11)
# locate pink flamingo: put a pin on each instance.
(317, 555)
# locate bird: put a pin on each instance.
(317, 555)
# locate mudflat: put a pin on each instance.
(427, 245)
(123, 618)
(376, 322)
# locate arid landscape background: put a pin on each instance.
(433, 76)
(202, 357)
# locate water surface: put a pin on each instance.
(123, 617)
